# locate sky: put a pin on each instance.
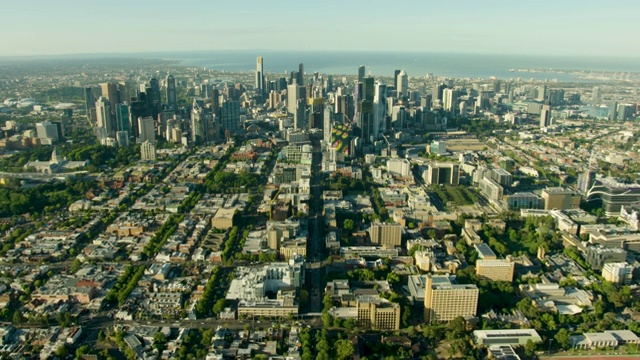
(541, 27)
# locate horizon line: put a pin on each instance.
(138, 54)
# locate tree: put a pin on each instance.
(159, 341)
(562, 338)
(62, 352)
(344, 349)
(18, 319)
(530, 348)
(348, 225)
(219, 306)
(393, 278)
(82, 350)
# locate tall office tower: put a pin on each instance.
(110, 92)
(329, 117)
(154, 96)
(368, 88)
(595, 95)
(300, 115)
(395, 77)
(316, 113)
(329, 83)
(146, 125)
(104, 119)
(171, 92)
(361, 70)
(300, 78)
(387, 235)
(365, 121)
(398, 117)
(379, 109)
(198, 124)
(445, 301)
(545, 116)
(260, 77)
(344, 106)
(137, 109)
(541, 93)
(230, 116)
(147, 151)
(281, 84)
(122, 117)
(292, 98)
(123, 92)
(215, 102)
(450, 100)
(436, 93)
(89, 101)
(402, 85)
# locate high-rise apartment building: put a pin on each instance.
(388, 235)
(545, 116)
(444, 300)
(442, 173)
(147, 151)
(377, 313)
(402, 86)
(260, 84)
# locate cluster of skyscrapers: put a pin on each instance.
(145, 113)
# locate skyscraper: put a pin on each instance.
(379, 109)
(450, 100)
(300, 77)
(403, 84)
(147, 130)
(230, 116)
(122, 117)
(545, 116)
(259, 77)
(110, 92)
(361, 70)
(104, 119)
(89, 100)
(171, 92)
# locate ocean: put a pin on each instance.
(415, 64)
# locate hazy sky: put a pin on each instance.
(541, 27)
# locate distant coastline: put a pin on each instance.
(418, 64)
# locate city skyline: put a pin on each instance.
(496, 27)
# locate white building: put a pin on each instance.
(147, 151)
(400, 167)
(618, 272)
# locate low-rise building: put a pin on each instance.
(495, 270)
(506, 337)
